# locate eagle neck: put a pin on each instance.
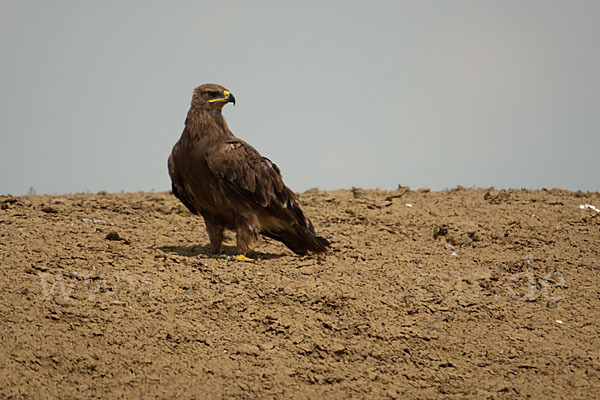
(209, 122)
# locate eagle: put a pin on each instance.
(226, 181)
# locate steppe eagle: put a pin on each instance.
(232, 186)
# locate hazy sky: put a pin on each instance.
(371, 94)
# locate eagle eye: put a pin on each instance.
(212, 94)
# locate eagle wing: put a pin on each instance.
(178, 187)
(257, 182)
(250, 176)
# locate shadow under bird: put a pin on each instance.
(232, 186)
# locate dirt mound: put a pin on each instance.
(461, 293)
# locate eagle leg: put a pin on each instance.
(244, 237)
(214, 228)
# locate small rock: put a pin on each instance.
(306, 347)
(358, 192)
(337, 348)
(551, 303)
(441, 230)
(457, 239)
(475, 236)
(248, 349)
(93, 220)
(490, 194)
(113, 236)
(447, 364)
(266, 346)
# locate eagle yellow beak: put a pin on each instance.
(227, 98)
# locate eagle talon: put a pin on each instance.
(241, 257)
(238, 257)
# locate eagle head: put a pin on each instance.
(211, 96)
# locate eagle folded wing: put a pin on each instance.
(257, 183)
(249, 175)
(178, 188)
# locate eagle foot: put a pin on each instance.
(238, 257)
(241, 257)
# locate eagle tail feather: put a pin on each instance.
(300, 240)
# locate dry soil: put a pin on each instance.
(463, 293)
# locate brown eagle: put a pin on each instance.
(231, 185)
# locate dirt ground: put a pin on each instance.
(463, 293)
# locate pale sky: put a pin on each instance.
(350, 93)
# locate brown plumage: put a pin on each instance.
(231, 185)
